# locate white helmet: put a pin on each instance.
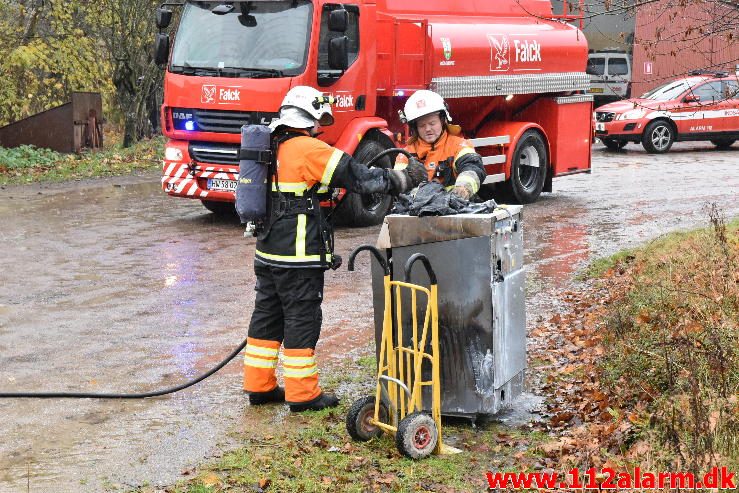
(302, 107)
(422, 103)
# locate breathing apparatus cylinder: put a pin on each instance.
(255, 157)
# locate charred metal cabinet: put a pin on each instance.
(478, 260)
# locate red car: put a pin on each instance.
(699, 107)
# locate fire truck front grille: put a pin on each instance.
(208, 152)
(229, 122)
(602, 116)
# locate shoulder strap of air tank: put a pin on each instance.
(283, 136)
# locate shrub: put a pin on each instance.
(26, 157)
(674, 342)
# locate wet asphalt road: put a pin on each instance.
(110, 286)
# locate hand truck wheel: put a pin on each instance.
(417, 435)
(358, 419)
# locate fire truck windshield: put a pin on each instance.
(255, 39)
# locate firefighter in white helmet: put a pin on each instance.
(449, 158)
(296, 248)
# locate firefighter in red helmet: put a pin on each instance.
(296, 249)
(449, 158)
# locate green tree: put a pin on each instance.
(126, 28)
(47, 53)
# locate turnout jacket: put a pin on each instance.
(307, 168)
(451, 160)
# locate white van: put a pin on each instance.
(610, 76)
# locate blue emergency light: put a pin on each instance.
(184, 119)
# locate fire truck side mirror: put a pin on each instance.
(161, 49)
(164, 17)
(691, 98)
(338, 21)
(338, 53)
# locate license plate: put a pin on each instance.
(600, 126)
(597, 90)
(218, 184)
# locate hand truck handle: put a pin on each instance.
(374, 251)
(409, 265)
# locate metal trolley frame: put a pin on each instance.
(396, 408)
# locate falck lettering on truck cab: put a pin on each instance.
(527, 53)
(220, 95)
(343, 102)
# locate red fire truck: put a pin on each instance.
(512, 72)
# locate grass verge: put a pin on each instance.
(673, 339)
(646, 363)
(28, 164)
(312, 452)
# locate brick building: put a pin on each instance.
(673, 38)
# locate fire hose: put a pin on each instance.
(168, 390)
(143, 395)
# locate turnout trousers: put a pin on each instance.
(287, 312)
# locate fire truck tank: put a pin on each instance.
(524, 8)
(480, 56)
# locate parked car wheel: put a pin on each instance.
(723, 144)
(658, 137)
(614, 145)
(366, 210)
(529, 167)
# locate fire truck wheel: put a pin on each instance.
(614, 145)
(722, 144)
(358, 419)
(529, 168)
(417, 436)
(658, 137)
(221, 209)
(366, 210)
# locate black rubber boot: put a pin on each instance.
(275, 395)
(323, 401)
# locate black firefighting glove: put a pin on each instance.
(399, 181)
(417, 172)
(405, 180)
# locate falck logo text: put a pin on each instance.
(220, 95)
(526, 52)
(344, 101)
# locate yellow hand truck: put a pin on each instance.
(396, 408)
